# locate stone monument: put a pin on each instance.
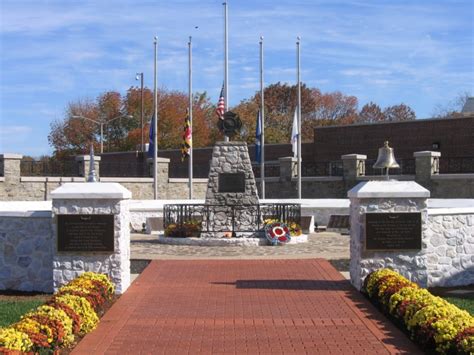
(231, 196)
(91, 232)
(387, 219)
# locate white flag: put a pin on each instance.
(294, 135)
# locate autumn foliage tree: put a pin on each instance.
(72, 135)
(371, 112)
(399, 112)
(317, 109)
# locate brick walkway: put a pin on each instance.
(243, 307)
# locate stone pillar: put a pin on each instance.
(84, 165)
(10, 170)
(10, 166)
(87, 247)
(353, 167)
(427, 165)
(163, 168)
(163, 176)
(288, 168)
(386, 197)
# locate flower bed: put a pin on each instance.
(435, 324)
(186, 230)
(72, 311)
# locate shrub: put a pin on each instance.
(71, 311)
(432, 321)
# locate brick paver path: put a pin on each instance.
(243, 307)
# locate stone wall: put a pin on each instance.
(446, 257)
(449, 247)
(452, 185)
(16, 187)
(311, 187)
(26, 246)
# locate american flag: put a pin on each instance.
(221, 105)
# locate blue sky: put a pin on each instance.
(54, 52)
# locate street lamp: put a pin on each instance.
(102, 123)
(140, 77)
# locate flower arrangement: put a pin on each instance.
(432, 321)
(186, 230)
(71, 311)
(295, 229)
(277, 233)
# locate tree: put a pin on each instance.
(317, 109)
(333, 109)
(72, 136)
(453, 108)
(399, 112)
(371, 112)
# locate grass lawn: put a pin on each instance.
(463, 303)
(12, 310)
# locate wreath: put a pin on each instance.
(277, 233)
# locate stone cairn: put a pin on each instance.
(231, 163)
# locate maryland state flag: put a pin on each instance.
(187, 138)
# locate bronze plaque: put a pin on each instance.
(232, 182)
(393, 231)
(86, 233)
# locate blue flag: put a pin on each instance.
(151, 145)
(258, 139)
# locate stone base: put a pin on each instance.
(225, 241)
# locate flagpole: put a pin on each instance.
(190, 118)
(262, 117)
(155, 127)
(226, 63)
(299, 114)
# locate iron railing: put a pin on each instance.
(181, 170)
(255, 214)
(407, 167)
(49, 168)
(124, 169)
(271, 170)
(328, 168)
(456, 165)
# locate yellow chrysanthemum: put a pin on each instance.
(83, 308)
(13, 339)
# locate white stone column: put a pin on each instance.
(386, 197)
(93, 199)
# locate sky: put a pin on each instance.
(417, 52)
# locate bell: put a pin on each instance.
(386, 159)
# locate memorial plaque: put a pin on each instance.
(86, 233)
(232, 182)
(393, 231)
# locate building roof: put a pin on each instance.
(468, 106)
